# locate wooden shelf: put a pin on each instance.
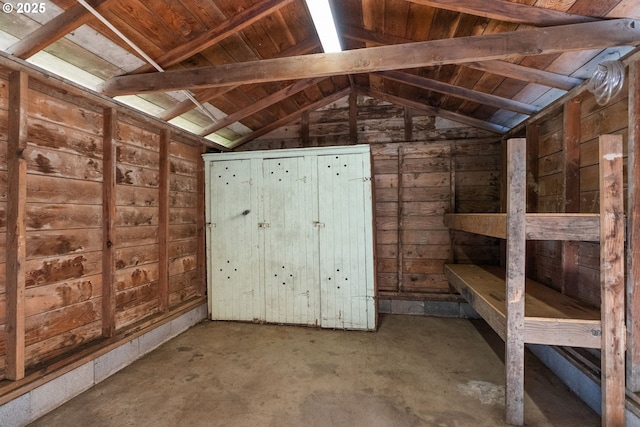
(538, 226)
(550, 317)
(523, 311)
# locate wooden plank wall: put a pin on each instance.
(65, 220)
(550, 266)
(413, 186)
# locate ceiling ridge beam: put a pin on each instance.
(509, 12)
(265, 102)
(291, 117)
(229, 27)
(460, 92)
(539, 41)
(55, 29)
(435, 111)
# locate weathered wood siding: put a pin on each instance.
(415, 159)
(549, 266)
(183, 214)
(3, 216)
(65, 221)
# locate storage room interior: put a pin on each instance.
(213, 213)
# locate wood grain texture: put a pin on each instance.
(612, 280)
(15, 325)
(108, 221)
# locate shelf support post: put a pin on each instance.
(612, 286)
(515, 279)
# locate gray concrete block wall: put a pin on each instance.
(32, 405)
(427, 308)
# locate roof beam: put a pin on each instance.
(229, 27)
(460, 92)
(206, 95)
(55, 29)
(434, 111)
(539, 41)
(508, 11)
(527, 74)
(291, 117)
(268, 101)
(502, 68)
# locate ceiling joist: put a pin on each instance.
(539, 41)
(527, 74)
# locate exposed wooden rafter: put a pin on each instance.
(594, 35)
(508, 11)
(527, 74)
(434, 111)
(207, 95)
(55, 29)
(459, 92)
(274, 98)
(291, 117)
(229, 27)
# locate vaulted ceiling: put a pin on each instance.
(233, 70)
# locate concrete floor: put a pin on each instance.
(415, 371)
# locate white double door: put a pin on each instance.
(290, 240)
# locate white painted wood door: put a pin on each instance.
(290, 237)
(346, 250)
(290, 241)
(234, 254)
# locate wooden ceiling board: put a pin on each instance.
(190, 34)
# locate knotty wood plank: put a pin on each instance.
(16, 225)
(110, 118)
(163, 223)
(633, 230)
(508, 12)
(515, 280)
(381, 58)
(612, 280)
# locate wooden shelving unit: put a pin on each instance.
(524, 311)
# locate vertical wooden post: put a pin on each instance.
(110, 119)
(533, 155)
(515, 279)
(201, 256)
(633, 231)
(353, 117)
(16, 224)
(400, 218)
(612, 281)
(571, 190)
(163, 223)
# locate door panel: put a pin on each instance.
(346, 271)
(290, 241)
(233, 246)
